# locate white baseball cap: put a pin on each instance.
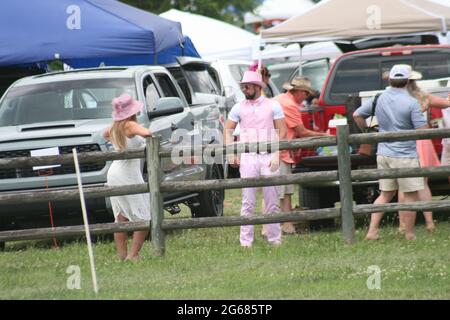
(400, 71)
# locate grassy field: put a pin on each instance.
(209, 264)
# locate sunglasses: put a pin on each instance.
(246, 86)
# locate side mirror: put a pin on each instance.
(165, 107)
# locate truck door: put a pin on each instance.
(208, 105)
(155, 87)
(182, 130)
(199, 76)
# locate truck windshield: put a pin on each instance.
(63, 100)
(364, 72)
(200, 79)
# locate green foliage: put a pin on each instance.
(209, 264)
(55, 65)
(231, 11)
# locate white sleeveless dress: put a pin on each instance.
(134, 207)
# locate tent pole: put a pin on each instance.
(181, 44)
(260, 51)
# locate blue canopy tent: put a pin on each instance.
(87, 33)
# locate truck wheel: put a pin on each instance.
(211, 201)
(312, 198)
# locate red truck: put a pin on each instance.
(355, 72)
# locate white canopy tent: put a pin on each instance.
(215, 39)
(282, 9)
(331, 20)
(311, 51)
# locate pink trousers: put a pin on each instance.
(252, 166)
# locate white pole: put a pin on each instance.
(300, 69)
(86, 225)
(260, 52)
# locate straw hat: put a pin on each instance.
(299, 83)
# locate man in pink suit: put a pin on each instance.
(260, 119)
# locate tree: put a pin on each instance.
(231, 11)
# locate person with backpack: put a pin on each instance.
(396, 110)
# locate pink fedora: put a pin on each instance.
(253, 78)
(125, 106)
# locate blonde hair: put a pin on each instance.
(417, 93)
(117, 133)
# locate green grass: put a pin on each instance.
(209, 264)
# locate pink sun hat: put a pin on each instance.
(125, 106)
(253, 78)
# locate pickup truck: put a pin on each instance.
(71, 109)
(351, 74)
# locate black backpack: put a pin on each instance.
(373, 128)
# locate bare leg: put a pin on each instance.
(425, 195)
(286, 206)
(409, 217)
(138, 240)
(401, 226)
(375, 218)
(120, 238)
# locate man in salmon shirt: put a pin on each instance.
(298, 90)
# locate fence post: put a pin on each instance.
(345, 184)
(156, 203)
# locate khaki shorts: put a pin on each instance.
(400, 184)
(285, 168)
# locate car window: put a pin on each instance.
(317, 72)
(151, 93)
(182, 83)
(280, 76)
(214, 75)
(89, 100)
(236, 72)
(62, 100)
(433, 66)
(364, 73)
(200, 79)
(166, 85)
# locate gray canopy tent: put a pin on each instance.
(348, 20)
(351, 20)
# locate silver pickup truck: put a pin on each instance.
(71, 109)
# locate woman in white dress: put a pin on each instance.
(125, 133)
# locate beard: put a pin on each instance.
(249, 96)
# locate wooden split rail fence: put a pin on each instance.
(156, 187)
